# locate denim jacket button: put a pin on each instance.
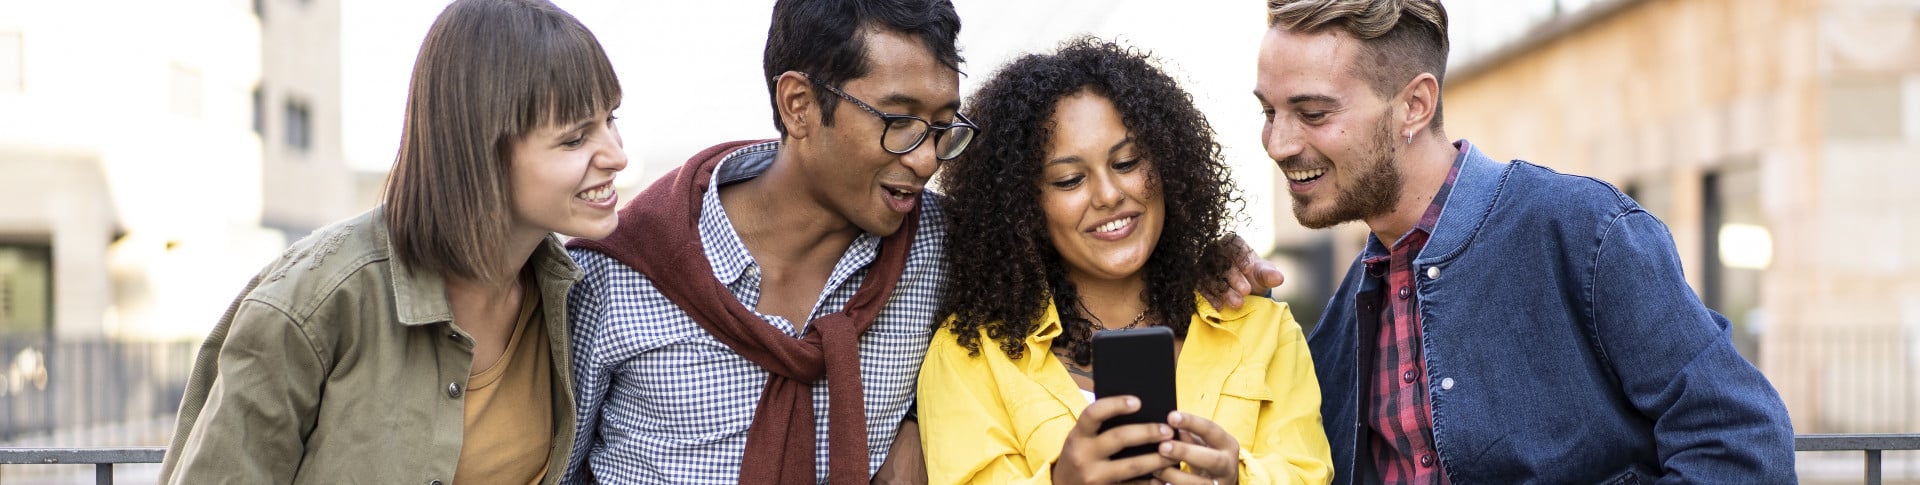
(453, 390)
(1446, 384)
(1433, 272)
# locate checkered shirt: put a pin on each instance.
(1400, 424)
(662, 401)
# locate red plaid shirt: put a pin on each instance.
(1400, 419)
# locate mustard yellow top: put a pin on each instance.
(508, 410)
(992, 419)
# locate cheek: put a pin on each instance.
(1057, 208)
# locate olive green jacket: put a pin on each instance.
(338, 365)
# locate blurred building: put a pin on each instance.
(1776, 138)
(153, 156)
(298, 114)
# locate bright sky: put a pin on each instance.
(691, 70)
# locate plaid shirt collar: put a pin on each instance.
(726, 252)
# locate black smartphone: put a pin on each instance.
(1135, 362)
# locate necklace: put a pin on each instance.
(1102, 327)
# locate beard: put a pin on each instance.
(1371, 183)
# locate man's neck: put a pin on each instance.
(782, 224)
(1423, 169)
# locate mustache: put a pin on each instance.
(1302, 162)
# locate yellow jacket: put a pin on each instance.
(988, 418)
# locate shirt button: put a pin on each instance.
(1407, 377)
(453, 390)
(1446, 384)
(1433, 272)
(1426, 460)
(1405, 292)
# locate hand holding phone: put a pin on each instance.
(1139, 363)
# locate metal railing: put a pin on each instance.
(103, 459)
(1873, 444)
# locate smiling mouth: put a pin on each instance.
(901, 194)
(1304, 176)
(1114, 225)
(596, 194)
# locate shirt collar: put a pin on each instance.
(1428, 220)
(726, 253)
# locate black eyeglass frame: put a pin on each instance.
(887, 119)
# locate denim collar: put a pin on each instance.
(1473, 165)
(1474, 193)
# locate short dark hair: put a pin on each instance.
(1006, 268)
(489, 72)
(826, 39)
(1400, 38)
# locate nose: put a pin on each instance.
(1106, 189)
(1281, 138)
(921, 159)
(612, 156)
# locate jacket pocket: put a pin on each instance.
(1241, 401)
(1635, 474)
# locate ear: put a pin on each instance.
(1421, 101)
(793, 97)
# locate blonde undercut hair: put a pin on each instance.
(1400, 38)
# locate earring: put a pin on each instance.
(1409, 138)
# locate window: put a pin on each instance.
(1736, 249)
(299, 125)
(12, 63)
(26, 289)
(259, 111)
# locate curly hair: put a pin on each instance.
(1001, 259)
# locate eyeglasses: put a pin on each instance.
(904, 133)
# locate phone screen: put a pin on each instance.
(1139, 363)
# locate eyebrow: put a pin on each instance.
(900, 99)
(1076, 158)
(1309, 98)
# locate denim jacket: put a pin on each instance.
(1562, 345)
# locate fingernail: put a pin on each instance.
(1133, 402)
(1173, 418)
(1166, 448)
(1166, 431)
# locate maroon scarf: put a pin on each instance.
(659, 236)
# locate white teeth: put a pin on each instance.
(1305, 175)
(1113, 226)
(596, 195)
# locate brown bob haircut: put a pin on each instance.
(489, 72)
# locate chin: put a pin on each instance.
(883, 225)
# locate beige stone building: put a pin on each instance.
(1778, 139)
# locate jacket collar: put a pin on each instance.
(1474, 192)
(420, 297)
(1049, 325)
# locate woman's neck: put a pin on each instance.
(1113, 304)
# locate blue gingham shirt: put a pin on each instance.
(662, 401)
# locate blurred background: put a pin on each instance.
(154, 155)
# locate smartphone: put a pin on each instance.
(1135, 362)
